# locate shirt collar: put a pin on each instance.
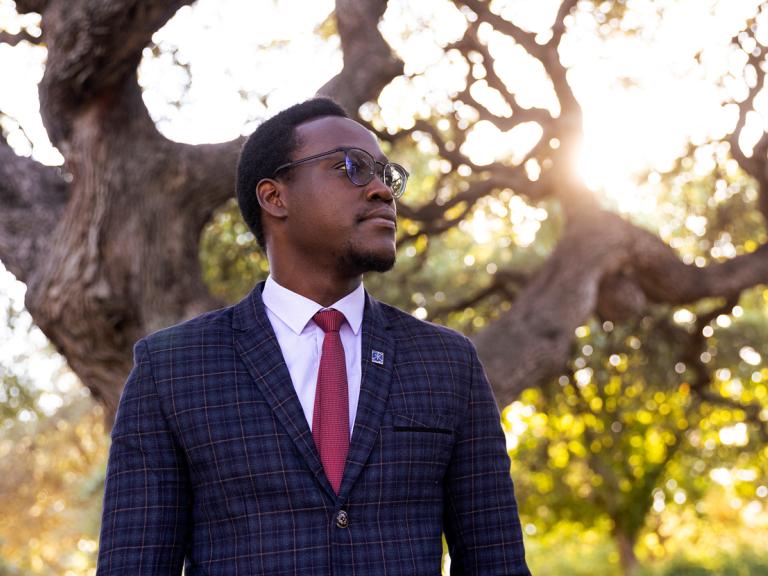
(296, 311)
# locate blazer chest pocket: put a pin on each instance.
(422, 423)
(425, 442)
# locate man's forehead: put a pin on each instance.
(330, 132)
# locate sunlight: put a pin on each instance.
(735, 435)
(645, 97)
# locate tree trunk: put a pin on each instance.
(627, 558)
(122, 259)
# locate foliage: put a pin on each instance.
(51, 485)
(571, 548)
(592, 555)
(746, 563)
(53, 452)
(231, 261)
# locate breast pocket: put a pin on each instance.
(426, 423)
(423, 443)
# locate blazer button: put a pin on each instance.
(342, 519)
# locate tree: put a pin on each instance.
(108, 243)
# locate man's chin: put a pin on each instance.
(362, 262)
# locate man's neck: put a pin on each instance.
(325, 290)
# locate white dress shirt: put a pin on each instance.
(301, 340)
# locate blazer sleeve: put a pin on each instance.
(481, 520)
(146, 496)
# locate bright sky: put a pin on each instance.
(643, 94)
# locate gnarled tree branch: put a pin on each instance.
(32, 199)
(369, 63)
(566, 290)
(93, 47)
(545, 53)
(23, 35)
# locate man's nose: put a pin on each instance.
(377, 190)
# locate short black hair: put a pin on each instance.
(271, 145)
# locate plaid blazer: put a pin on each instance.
(213, 466)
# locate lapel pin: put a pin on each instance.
(377, 357)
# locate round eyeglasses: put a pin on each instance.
(361, 168)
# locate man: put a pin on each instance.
(309, 429)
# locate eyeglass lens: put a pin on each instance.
(361, 168)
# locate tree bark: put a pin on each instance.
(627, 557)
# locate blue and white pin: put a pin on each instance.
(377, 357)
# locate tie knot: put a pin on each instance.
(329, 320)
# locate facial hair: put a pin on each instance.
(357, 261)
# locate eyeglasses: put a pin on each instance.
(360, 168)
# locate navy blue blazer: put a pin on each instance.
(213, 466)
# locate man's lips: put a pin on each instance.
(385, 218)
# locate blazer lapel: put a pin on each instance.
(377, 359)
(257, 345)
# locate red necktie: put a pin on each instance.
(330, 420)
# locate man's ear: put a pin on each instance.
(271, 196)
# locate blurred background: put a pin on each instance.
(588, 203)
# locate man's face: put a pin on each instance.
(330, 218)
